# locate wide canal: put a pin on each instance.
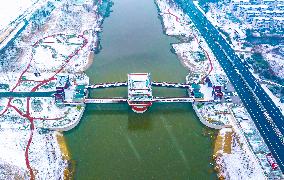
(111, 141)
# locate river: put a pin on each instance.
(111, 141)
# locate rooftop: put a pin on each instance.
(62, 80)
(139, 84)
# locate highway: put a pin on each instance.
(266, 116)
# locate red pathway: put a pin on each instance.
(195, 37)
(40, 83)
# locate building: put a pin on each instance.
(63, 81)
(4, 87)
(196, 91)
(217, 82)
(265, 16)
(59, 95)
(139, 91)
(80, 93)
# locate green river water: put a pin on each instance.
(111, 141)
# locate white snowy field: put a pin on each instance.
(174, 19)
(11, 9)
(242, 163)
(44, 154)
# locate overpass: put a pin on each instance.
(266, 116)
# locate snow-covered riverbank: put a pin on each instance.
(44, 152)
(61, 44)
(233, 31)
(235, 155)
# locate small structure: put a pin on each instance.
(80, 93)
(59, 95)
(196, 91)
(216, 82)
(4, 87)
(63, 81)
(139, 91)
(37, 105)
(271, 161)
(37, 73)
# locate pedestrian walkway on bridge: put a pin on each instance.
(27, 94)
(139, 93)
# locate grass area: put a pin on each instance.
(218, 145)
(228, 142)
(63, 147)
(200, 56)
(231, 17)
(49, 85)
(262, 67)
(259, 61)
(228, 39)
(199, 105)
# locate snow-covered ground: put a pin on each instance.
(174, 19)
(215, 112)
(241, 163)
(187, 52)
(251, 137)
(276, 63)
(221, 17)
(275, 99)
(44, 153)
(12, 9)
(63, 41)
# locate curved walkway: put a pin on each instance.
(35, 88)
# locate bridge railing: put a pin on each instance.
(107, 85)
(105, 100)
(173, 99)
(119, 84)
(124, 100)
(171, 84)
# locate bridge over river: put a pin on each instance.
(139, 93)
(122, 84)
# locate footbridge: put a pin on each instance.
(176, 99)
(171, 85)
(139, 93)
(125, 84)
(105, 100)
(125, 100)
(107, 85)
(27, 94)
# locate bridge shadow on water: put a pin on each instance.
(135, 121)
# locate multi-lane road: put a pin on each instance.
(267, 117)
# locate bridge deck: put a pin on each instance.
(27, 94)
(107, 85)
(124, 100)
(172, 85)
(122, 84)
(105, 100)
(173, 99)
